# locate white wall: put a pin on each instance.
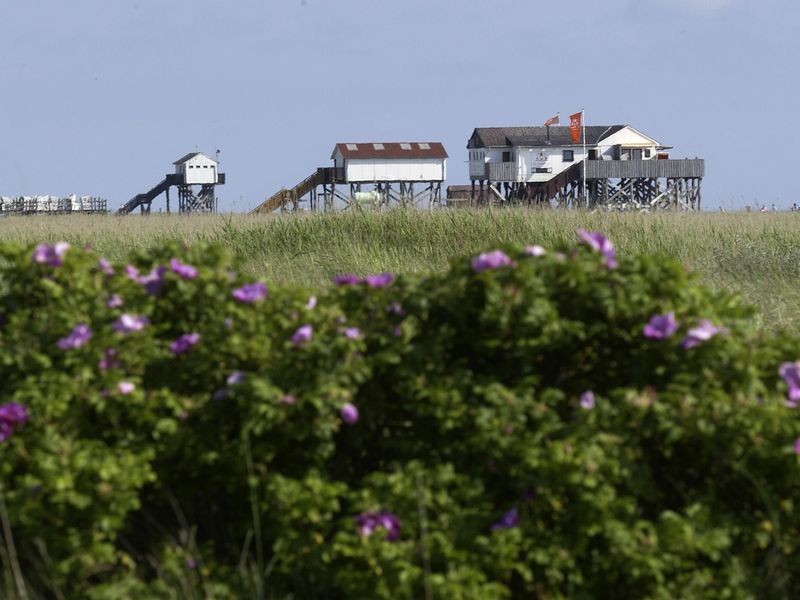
(383, 169)
(628, 138)
(198, 170)
(477, 161)
(545, 157)
(527, 159)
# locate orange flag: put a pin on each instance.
(575, 127)
(551, 121)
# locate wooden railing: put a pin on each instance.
(506, 171)
(630, 169)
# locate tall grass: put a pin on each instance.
(754, 254)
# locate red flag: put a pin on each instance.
(551, 121)
(575, 127)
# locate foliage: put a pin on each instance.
(418, 436)
(754, 254)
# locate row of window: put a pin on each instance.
(200, 167)
(569, 155)
(403, 146)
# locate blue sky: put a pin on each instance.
(99, 97)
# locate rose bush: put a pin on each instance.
(535, 422)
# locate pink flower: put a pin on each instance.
(396, 308)
(704, 331)
(125, 387)
(347, 279)
(109, 360)
(508, 521)
(312, 302)
(587, 400)
(790, 372)
(368, 522)
(349, 413)
(78, 337)
(302, 335)
(534, 251)
(154, 280)
(661, 327)
(250, 293)
(128, 323)
(235, 378)
(105, 266)
(352, 333)
(491, 260)
(12, 415)
(379, 281)
(132, 273)
(115, 301)
(600, 243)
(797, 446)
(184, 343)
(52, 256)
(182, 270)
(289, 399)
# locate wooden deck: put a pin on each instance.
(612, 169)
(645, 169)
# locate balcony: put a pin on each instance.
(654, 168)
(506, 171)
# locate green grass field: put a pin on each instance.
(754, 254)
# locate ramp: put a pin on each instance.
(146, 198)
(281, 198)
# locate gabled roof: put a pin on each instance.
(391, 150)
(190, 156)
(486, 137)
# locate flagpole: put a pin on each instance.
(583, 127)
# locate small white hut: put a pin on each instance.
(197, 169)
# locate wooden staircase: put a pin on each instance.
(146, 198)
(284, 197)
(552, 187)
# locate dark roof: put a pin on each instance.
(393, 150)
(190, 156)
(485, 137)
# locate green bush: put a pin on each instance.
(504, 430)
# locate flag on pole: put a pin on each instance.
(551, 121)
(575, 126)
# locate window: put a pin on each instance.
(568, 155)
(405, 146)
(647, 152)
(352, 146)
(424, 146)
(507, 156)
(377, 146)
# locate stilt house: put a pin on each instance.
(618, 166)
